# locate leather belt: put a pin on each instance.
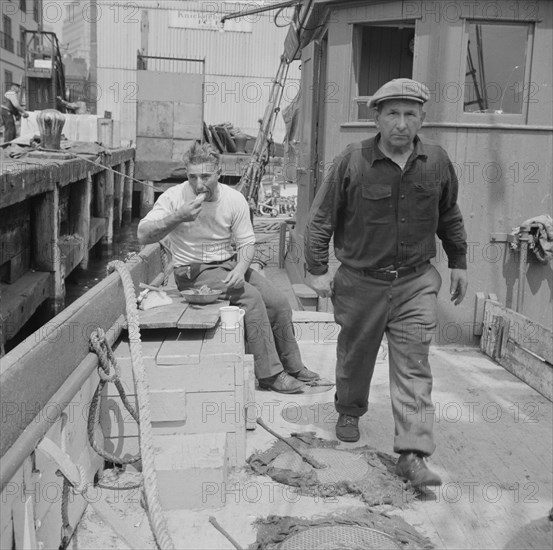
(392, 274)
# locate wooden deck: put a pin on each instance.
(494, 452)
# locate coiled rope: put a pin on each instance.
(106, 360)
(156, 518)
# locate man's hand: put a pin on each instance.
(25, 114)
(235, 278)
(458, 286)
(189, 211)
(321, 284)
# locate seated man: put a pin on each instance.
(199, 220)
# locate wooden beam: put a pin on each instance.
(22, 300)
(45, 246)
(100, 195)
(79, 212)
(118, 196)
(127, 192)
(108, 238)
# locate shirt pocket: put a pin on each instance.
(426, 199)
(376, 205)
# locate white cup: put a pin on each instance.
(230, 316)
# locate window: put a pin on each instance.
(497, 71)
(23, 6)
(35, 10)
(7, 39)
(21, 43)
(380, 54)
(8, 79)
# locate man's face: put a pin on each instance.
(204, 178)
(398, 122)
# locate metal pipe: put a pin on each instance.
(524, 237)
(259, 10)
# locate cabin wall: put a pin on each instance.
(503, 164)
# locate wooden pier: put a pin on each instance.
(53, 209)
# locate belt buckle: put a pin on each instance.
(395, 273)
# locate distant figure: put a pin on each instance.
(12, 111)
(76, 108)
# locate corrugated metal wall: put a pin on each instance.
(239, 66)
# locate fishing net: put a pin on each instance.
(350, 530)
(360, 471)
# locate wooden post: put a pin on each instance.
(146, 198)
(118, 196)
(107, 241)
(100, 195)
(84, 228)
(45, 243)
(127, 192)
(79, 218)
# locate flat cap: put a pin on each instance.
(400, 88)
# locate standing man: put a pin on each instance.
(384, 200)
(201, 220)
(12, 111)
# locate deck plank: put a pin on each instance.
(165, 316)
(493, 438)
(197, 316)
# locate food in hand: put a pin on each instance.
(200, 198)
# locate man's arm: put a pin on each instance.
(320, 227)
(161, 220)
(245, 246)
(451, 231)
(13, 99)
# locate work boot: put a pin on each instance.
(347, 428)
(412, 467)
(305, 375)
(282, 383)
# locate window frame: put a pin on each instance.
(21, 44)
(8, 80)
(7, 37)
(497, 118)
(356, 47)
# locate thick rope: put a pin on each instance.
(156, 518)
(106, 360)
(165, 265)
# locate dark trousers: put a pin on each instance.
(9, 125)
(404, 309)
(268, 316)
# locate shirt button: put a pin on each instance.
(402, 243)
(402, 196)
(402, 220)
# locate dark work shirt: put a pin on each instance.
(382, 217)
